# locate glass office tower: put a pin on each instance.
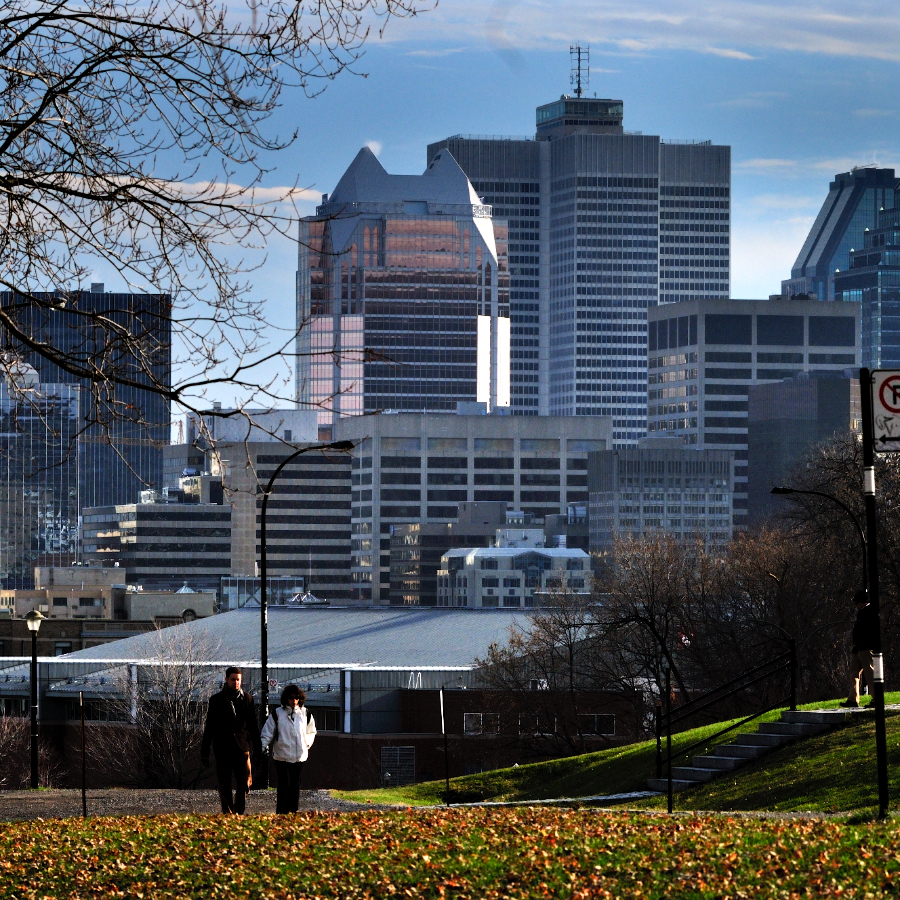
(403, 295)
(38, 478)
(125, 428)
(872, 279)
(849, 211)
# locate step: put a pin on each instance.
(722, 763)
(690, 773)
(791, 729)
(829, 717)
(661, 785)
(765, 740)
(740, 751)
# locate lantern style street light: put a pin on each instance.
(33, 621)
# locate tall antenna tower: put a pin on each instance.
(580, 58)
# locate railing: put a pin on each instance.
(747, 679)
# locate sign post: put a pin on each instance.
(880, 400)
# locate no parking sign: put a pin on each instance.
(886, 409)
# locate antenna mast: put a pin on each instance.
(580, 58)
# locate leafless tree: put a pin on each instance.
(15, 756)
(155, 713)
(135, 134)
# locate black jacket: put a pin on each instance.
(865, 628)
(231, 725)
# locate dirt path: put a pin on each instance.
(62, 803)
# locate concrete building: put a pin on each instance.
(850, 209)
(402, 296)
(161, 544)
(603, 224)
(660, 485)
(706, 354)
(510, 576)
(419, 467)
(785, 422)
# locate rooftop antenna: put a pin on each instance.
(580, 58)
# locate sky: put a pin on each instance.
(799, 90)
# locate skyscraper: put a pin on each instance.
(602, 225)
(872, 279)
(403, 295)
(851, 207)
(122, 432)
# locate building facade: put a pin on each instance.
(420, 467)
(705, 355)
(850, 209)
(786, 420)
(660, 485)
(121, 436)
(403, 295)
(510, 577)
(602, 225)
(872, 279)
(38, 477)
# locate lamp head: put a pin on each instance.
(33, 620)
(782, 490)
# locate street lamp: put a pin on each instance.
(340, 446)
(786, 491)
(33, 621)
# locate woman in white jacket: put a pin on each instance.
(290, 732)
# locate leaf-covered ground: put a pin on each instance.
(448, 854)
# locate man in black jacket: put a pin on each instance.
(232, 731)
(865, 632)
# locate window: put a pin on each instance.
(327, 719)
(725, 329)
(60, 601)
(62, 647)
(481, 723)
(536, 724)
(489, 564)
(832, 331)
(596, 723)
(511, 582)
(490, 582)
(779, 331)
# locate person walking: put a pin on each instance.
(865, 632)
(232, 732)
(289, 731)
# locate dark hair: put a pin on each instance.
(292, 692)
(233, 670)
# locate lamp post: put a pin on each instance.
(33, 621)
(340, 446)
(786, 491)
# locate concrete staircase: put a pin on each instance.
(745, 747)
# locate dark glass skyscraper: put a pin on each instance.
(123, 428)
(850, 209)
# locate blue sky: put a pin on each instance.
(800, 90)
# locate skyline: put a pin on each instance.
(799, 94)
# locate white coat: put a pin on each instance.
(296, 733)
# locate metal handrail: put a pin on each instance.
(784, 661)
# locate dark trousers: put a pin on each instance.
(288, 798)
(236, 765)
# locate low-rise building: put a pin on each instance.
(510, 576)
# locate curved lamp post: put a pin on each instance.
(786, 491)
(33, 621)
(339, 446)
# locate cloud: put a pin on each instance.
(375, 146)
(447, 51)
(874, 113)
(765, 165)
(796, 168)
(741, 30)
(763, 249)
(753, 100)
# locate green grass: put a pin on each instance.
(828, 772)
(464, 854)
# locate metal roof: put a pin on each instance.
(332, 636)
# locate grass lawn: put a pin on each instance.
(831, 772)
(470, 854)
